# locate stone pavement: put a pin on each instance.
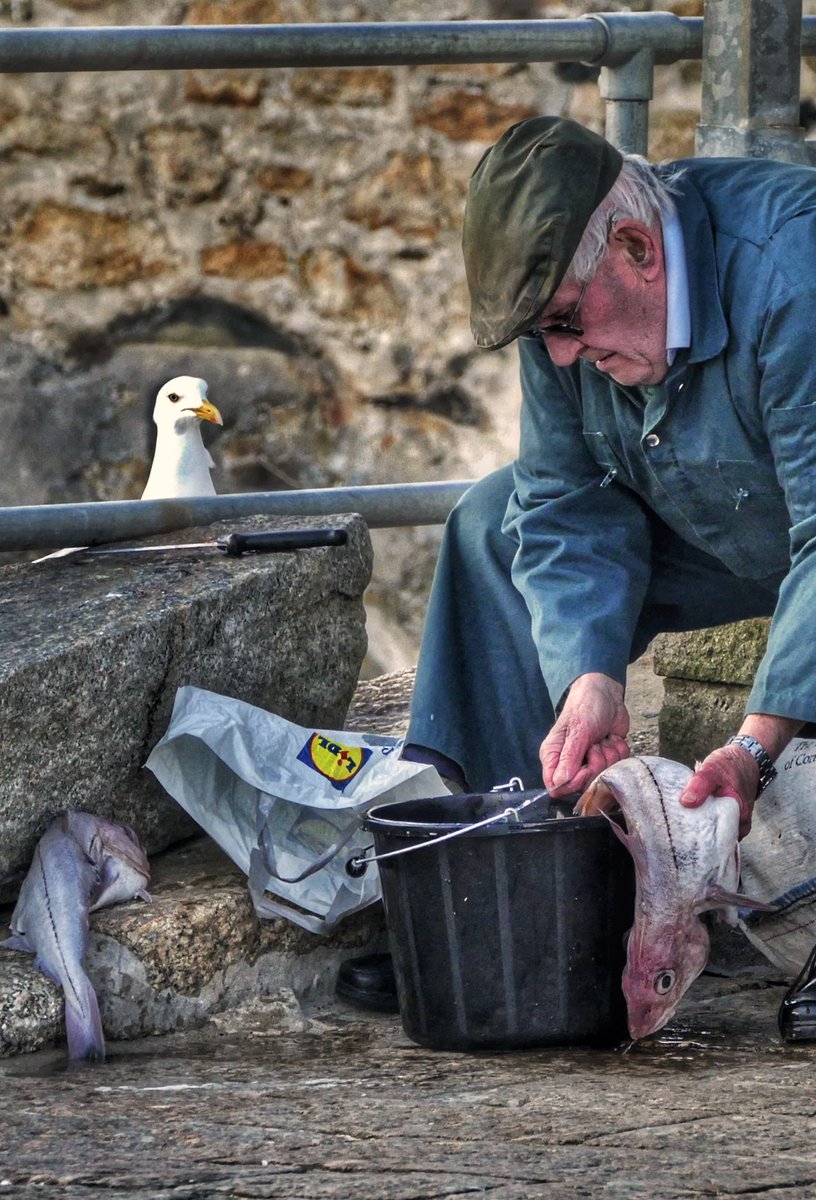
(291, 1095)
(274, 1103)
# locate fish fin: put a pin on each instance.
(49, 972)
(632, 844)
(142, 894)
(598, 798)
(86, 1041)
(18, 941)
(717, 897)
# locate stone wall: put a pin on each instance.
(290, 235)
(708, 676)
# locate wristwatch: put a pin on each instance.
(767, 771)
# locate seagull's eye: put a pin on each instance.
(173, 397)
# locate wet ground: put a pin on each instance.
(342, 1104)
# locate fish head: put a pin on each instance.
(661, 965)
(124, 871)
(121, 863)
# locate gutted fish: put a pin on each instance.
(686, 862)
(80, 863)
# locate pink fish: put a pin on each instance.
(686, 862)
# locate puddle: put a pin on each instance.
(345, 1047)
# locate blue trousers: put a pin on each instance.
(480, 698)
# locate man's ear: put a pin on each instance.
(640, 246)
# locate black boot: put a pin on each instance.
(797, 1013)
(369, 983)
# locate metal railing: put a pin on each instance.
(383, 506)
(748, 108)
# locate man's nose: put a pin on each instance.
(563, 350)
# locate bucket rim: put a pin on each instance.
(402, 827)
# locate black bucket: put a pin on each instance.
(509, 936)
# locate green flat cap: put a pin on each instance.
(529, 202)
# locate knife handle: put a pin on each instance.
(236, 544)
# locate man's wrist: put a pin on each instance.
(767, 771)
(593, 680)
(773, 733)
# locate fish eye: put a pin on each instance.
(173, 397)
(664, 981)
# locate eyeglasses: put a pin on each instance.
(566, 328)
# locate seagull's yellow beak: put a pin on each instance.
(208, 412)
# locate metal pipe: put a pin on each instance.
(664, 36)
(383, 506)
(133, 48)
(750, 91)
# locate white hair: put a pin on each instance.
(638, 193)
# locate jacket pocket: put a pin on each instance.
(755, 530)
(745, 479)
(612, 467)
(793, 431)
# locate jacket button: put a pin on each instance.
(651, 440)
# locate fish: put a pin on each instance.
(81, 863)
(123, 868)
(686, 863)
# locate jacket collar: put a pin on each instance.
(709, 328)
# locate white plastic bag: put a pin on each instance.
(779, 860)
(284, 801)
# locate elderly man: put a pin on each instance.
(666, 475)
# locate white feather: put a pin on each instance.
(181, 463)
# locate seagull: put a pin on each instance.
(181, 462)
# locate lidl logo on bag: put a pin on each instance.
(339, 764)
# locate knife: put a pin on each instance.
(236, 544)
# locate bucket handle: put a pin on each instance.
(358, 866)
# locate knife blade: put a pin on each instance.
(235, 544)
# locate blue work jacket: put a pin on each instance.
(724, 450)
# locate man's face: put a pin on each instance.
(622, 314)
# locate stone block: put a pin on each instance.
(58, 246)
(285, 178)
(95, 648)
(236, 12)
(725, 654)
(237, 89)
(197, 950)
(413, 194)
(697, 717)
(184, 164)
(465, 116)
(340, 284)
(356, 86)
(244, 260)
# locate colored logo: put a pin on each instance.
(339, 764)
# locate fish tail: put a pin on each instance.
(84, 1028)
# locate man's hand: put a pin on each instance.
(728, 771)
(589, 735)
(732, 771)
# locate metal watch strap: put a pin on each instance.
(767, 771)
